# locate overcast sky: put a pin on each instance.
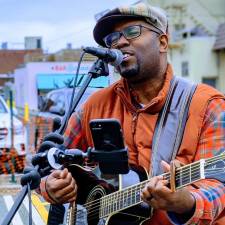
(58, 21)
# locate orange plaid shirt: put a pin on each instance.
(210, 197)
(210, 194)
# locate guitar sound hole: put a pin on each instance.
(93, 205)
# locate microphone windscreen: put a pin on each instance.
(119, 57)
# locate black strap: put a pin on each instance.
(171, 123)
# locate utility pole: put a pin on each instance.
(11, 118)
(12, 133)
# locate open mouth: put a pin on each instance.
(126, 56)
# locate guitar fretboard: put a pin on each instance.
(131, 196)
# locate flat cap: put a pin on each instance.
(151, 14)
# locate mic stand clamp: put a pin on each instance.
(108, 159)
(99, 68)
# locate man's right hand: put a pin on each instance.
(61, 187)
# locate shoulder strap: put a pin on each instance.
(171, 122)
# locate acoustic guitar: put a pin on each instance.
(116, 200)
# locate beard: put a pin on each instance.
(130, 72)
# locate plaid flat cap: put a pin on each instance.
(153, 15)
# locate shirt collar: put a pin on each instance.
(156, 103)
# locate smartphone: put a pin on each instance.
(107, 134)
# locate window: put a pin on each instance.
(61, 100)
(51, 101)
(38, 43)
(185, 69)
(210, 81)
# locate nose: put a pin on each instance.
(122, 42)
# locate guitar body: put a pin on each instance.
(92, 186)
(115, 200)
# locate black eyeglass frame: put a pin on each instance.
(125, 35)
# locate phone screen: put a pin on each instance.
(107, 134)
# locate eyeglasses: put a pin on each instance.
(129, 33)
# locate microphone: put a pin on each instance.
(112, 56)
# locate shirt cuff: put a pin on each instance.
(44, 192)
(198, 213)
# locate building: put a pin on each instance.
(12, 59)
(197, 39)
(219, 48)
(33, 42)
(37, 78)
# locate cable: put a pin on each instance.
(68, 35)
(64, 125)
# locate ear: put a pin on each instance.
(163, 39)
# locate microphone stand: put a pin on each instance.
(99, 68)
(30, 181)
(32, 178)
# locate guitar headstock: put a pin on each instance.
(215, 168)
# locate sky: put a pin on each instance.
(58, 22)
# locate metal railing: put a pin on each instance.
(12, 161)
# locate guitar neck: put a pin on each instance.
(131, 195)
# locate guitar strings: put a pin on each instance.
(94, 213)
(167, 175)
(94, 205)
(98, 200)
(185, 170)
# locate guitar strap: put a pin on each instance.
(170, 124)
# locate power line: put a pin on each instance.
(68, 35)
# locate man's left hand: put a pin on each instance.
(157, 194)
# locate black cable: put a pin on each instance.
(64, 125)
(75, 82)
